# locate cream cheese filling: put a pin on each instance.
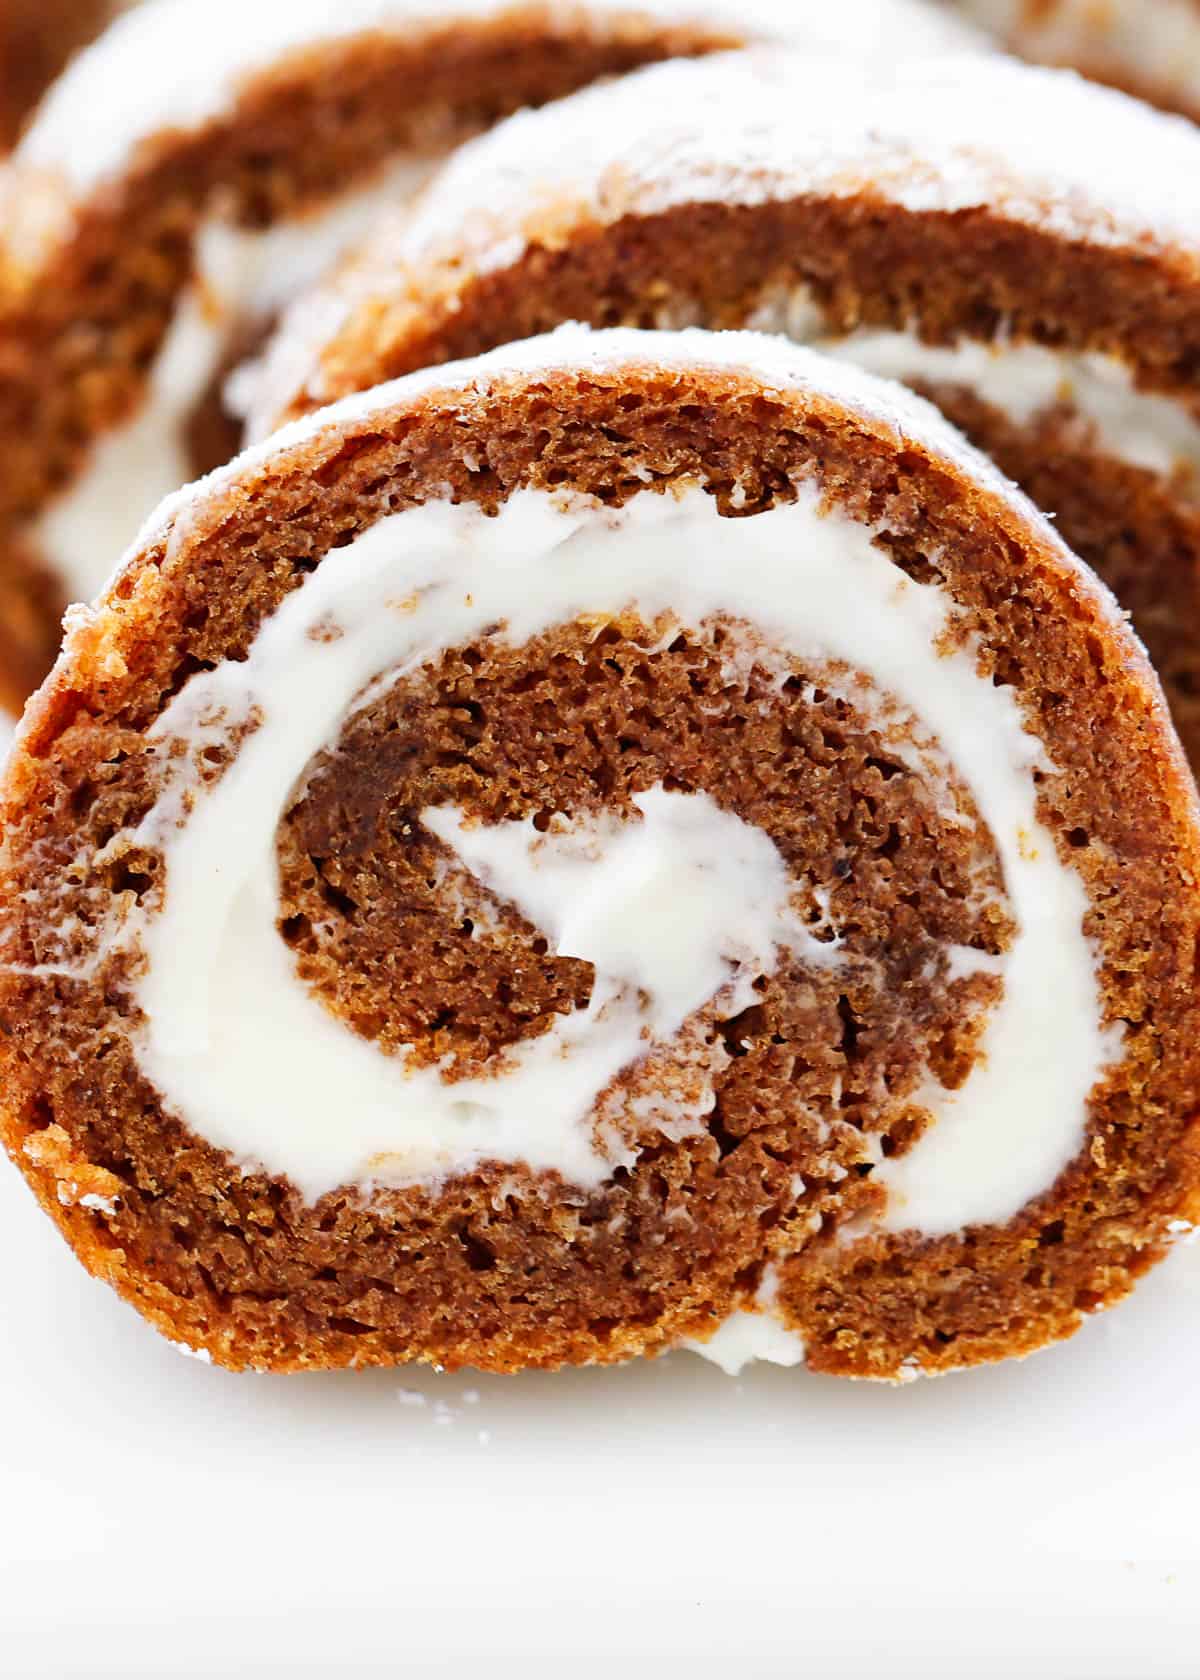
(749, 1338)
(1022, 380)
(251, 1060)
(244, 278)
(754, 1335)
(1025, 380)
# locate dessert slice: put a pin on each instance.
(639, 840)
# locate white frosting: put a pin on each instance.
(1024, 380)
(1153, 42)
(253, 273)
(244, 277)
(180, 66)
(751, 1335)
(240, 1048)
(747, 1337)
(663, 906)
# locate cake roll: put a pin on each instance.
(37, 37)
(147, 241)
(1150, 48)
(638, 841)
(1012, 242)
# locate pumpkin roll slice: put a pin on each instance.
(638, 841)
(1148, 47)
(147, 243)
(1010, 241)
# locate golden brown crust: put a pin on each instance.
(866, 263)
(492, 1271)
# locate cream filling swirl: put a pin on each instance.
(252, 1061)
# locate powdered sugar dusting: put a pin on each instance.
(1039, 146)
(189, 63)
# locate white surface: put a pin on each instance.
(243, 1052)
(168, 1521)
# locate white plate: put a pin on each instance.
(160, 1518)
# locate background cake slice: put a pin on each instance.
(1013, 242)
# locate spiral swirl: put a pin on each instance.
(613, 862)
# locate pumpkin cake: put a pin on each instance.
(638, 841)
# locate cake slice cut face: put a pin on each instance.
(638, 841)
(1011, 242)
(147, 243)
